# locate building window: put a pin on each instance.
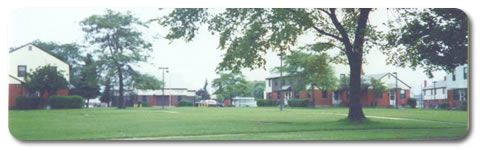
(29, 47)
(392, 94)
(22, 71)
(324, 94)
(453, 76)
(443, 91)
(402, 94)
(464, 72)
(269, 96)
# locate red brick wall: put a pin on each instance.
(452, 103)
(14, 90)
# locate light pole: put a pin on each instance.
(282, 102)
(396, 89)
(163, 82)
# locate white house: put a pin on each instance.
(28, 58)
(452, 90)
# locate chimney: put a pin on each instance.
(424, 83)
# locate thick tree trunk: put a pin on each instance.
(355, 113)
(121, 101)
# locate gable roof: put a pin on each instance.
(380, 76)
(48, 52)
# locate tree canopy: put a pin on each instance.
(246, 34)
(45, 80)
(230, 85)
(432, 39)
(88, 86)
(147, 82)
(119, 43)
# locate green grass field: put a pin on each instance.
(187, 123)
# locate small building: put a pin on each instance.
(165, 97)
(28, 58)
(244, 102)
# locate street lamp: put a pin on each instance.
(164, 69)
(396, 89)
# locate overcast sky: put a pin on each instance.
(190, 63)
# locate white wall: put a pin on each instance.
(460, 81)
(33, 59)
(440, 94)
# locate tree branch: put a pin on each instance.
(341, 30)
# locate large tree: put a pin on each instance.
(119, 43)
(46, 80)
(230, 85)
(203, 92)
(309, 70)
(432, 39)
(247, 34)
(88, 86)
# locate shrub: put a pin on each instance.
(412, 102)
(265, 102)
(297, 103)
(184, 103)
(66, 102)
(443, 106)
(24, 103)
(463, 106)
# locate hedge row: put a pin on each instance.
(55, 102)
(297, 103)
(24, 103)
(184, 103)
(265, 102)
(66, 102)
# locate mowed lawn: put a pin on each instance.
(188, 123)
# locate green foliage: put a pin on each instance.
(378, 87)
(147, 82)
(184, 103)
(45, 79)
(107, 95)
(433, 39)
(120, 44)
(412, 102)
(309, 69)
(87, 86)
(24, 103)
(297, 103)
(66, 102)
(203, 92)
(265, 102)
(230, 85)
(256, 88)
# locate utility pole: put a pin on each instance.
(163, 83)
(282, 102)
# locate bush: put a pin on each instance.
(66, 102)
(463, 106)
(297, 103)
(265, 102)
(184, 103)
(412, 102)
(25, 103)
(443, 106)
